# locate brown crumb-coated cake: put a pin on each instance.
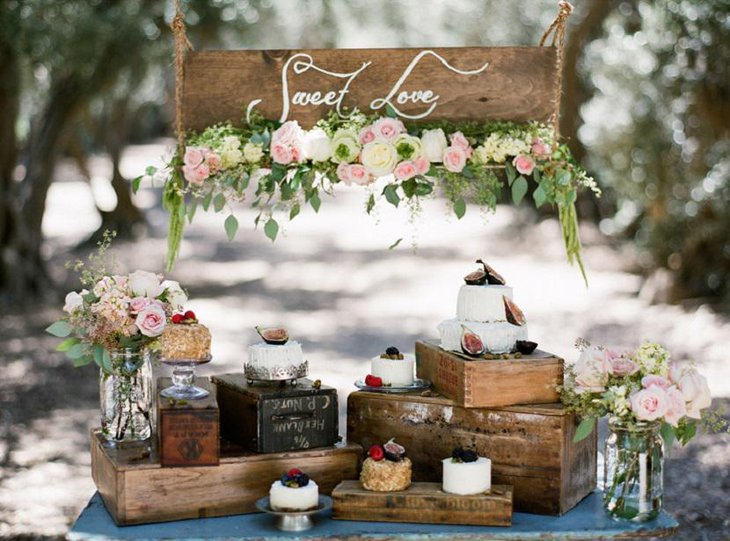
(386, 475)
(185, 341)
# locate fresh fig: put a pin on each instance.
(471, 343)
(476, 278)
(513, 312)
(393, 451)
(525, 346)
(493, 277)
(273, 335)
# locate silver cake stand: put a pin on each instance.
(288, 521)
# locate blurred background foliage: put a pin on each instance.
(646, 106)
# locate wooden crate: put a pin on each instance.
(275, 418)
(188, 433)
(137, 490)
(423, 503)
(471, 383)
(531, 447)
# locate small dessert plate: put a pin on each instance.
(417, 385)
(294, 521)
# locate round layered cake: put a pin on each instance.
(386, 469)
(185, 342)
(393, 367)
(465, 473)
(294, 492)
(275, 361)
(497, 336)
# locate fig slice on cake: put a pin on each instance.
(513, 312)
(273, 335)
(476, 278)
(471, 343)
(493, 277)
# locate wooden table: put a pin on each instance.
(586, 521)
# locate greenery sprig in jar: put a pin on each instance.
(115, 321)
(650, 403)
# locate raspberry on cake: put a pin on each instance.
(294, 492)
(386, 469)
(465, 473)
(393, 367)
(185, 340)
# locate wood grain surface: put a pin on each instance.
(518, 83)
(423, 503)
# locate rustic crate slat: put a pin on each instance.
(531, 446)
(422, 503)
(530, 379)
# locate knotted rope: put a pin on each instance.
(182, 46)
(557, 29)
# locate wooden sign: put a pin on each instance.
(458, 83)
(423, 503)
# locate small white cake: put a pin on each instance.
(284, 498)
(269, 355)
(482, 303)
(497, 337)
(394, 371)
(466, 478)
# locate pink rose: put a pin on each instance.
(623, 366)
(459, 140)
(649, 404)
(194, 156)
(422, 165)
(359, 174)
(524, 164)
(151, 321)
(343, 173)
(297, 152)
(388, 128)
(281, 153)
(288, 133)
(196, 175)
(366, 135)
(540, 150)
(454, 159)
(659, 381)
(214, 162)
(405, 170)
(137, 304)
(676, 408)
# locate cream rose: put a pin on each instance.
(345, 146)
(174, 294)
(317, 145)
(590, 370)
(151, 321)
(231, 157)
(380, 157)
(694, 388)
(144, 284)
(434, 144)
(252, 152)
(74, 301)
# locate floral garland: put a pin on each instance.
(290, 167)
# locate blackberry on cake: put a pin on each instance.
(294, 492)
(465, 473)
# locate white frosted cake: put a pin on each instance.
(271, 355)
(294, 492)
(466, 474)
(487, 319)
(393, 367)
(277, 358)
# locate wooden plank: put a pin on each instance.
(423, 503)
(530, 447)
(189, 433)
(138, 490)
(530, 379)
(516, 84)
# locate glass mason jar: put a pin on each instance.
(126, 396)
(633, 463)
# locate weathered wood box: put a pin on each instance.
(137, 490)
(531, 447)
(276, 418)
(472, 383)
(188, 431)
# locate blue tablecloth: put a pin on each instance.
(586, 521)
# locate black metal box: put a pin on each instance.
(275, 418)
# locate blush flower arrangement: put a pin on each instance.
(291, 167)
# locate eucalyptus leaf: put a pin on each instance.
(668, 436)
(315, 201)
(60, 329)
(66, 344)
(371, 204)
(83, 361)
(294, 212)
(562, 177)
(106, 361)
(539, 196)
(390, 112)
(584, 428)
(459, 208)
(519, 189)
(192, 207)
(511, 173)
(391, 195)
(231, 226)
(76, 351)
(206, 201)
(219, 201)
(271, 229)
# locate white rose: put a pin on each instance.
(408, 146)
(231, 157)
(591, 370)
(252, 152)
(694, 388)
(175, 294)
(345, 146)
(380, 157)
(74, 301)
(144, 284)
(434, 143)
(231, 142)
(317, 145)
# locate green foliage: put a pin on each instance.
(586, 426)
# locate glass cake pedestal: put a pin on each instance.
(183, 379)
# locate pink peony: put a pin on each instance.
(151, 321)
(524, 164)
(459, 140)
(196, 175)
(649, 404)
(343, 173)
(454, 159)
(540, 150)
(281, 153)
(388, 128)
(366, 135)
(422, 165)
(359, 174)
(194, 156)
(405, 170)
(659, 381)
(676, 408)
(137, 304)
(288, 133)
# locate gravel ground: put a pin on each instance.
(331, 281)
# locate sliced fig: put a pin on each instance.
(493, 277)
(513, 312)
(525, 346)
(273, 335)
(471, 343)
(476, 278)
(393, 451)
